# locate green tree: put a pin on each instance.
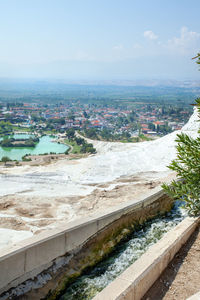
(187, 167)
(5, 159)
(70, 133)
(67, 151)
(85, 115)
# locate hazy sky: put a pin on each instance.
(99, 39)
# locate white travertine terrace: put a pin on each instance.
(49, 188)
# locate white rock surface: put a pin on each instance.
(10, 236)
(112, 161)
(38, 198)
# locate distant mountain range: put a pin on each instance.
(146, 82)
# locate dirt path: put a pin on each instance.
(181, 279)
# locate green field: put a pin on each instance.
(75, 148)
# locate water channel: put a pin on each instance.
(88, 285)
(45, 145)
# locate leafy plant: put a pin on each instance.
(5, 159)
(187, 167)
(67, 151)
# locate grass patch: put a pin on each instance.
(75, 147)
(24, 129)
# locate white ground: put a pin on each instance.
(36, 198)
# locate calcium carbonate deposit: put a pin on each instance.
(37, 198)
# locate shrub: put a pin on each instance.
(67, 151)
(187, 167)
(5, 159)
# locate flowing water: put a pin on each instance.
(45, 145)
(89, 284)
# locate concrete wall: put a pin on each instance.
(30, 257)
(135, 281)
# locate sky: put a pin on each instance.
(99, 39)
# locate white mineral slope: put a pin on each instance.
(9, 236)
(112, 161)
(39, 198)
(117, 159)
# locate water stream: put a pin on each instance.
(88, 285)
